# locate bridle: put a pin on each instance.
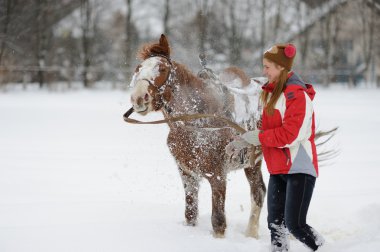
(163, 90)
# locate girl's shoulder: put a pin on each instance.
(295, 81)
(294, 90)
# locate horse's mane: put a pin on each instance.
(211, 101)
(185, 76)
(154, 49)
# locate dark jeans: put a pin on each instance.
(289, 196)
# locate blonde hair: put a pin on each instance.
(270, 102)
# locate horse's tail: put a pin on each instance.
(326, 152)
(230, 88)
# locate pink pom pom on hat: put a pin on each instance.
(282, 54)
(290, 51)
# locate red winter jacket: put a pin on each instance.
(287, 136)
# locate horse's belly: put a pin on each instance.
(202, 151)
(199, 149)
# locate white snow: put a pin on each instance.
(75, 177)
(148, 70)
(246, 101)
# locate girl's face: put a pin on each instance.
(271, 70)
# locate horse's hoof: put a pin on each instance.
(252, 235)
(219, 234)
(191, 223)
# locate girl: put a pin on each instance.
(287, 140)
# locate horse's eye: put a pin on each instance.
(137, 68)
(161, 69)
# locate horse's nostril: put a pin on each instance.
(146, 97)
(139, 101)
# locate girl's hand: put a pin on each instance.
(252, 137)
(235, 146)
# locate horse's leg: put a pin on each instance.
(258, 191)
(191, 186)
(218, 218)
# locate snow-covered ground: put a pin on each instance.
(75, 177)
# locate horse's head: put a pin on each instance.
(151, 80)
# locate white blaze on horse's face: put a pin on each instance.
(146, 72)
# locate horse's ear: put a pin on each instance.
(164, 41)
(165, 44)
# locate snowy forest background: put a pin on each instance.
(75, 177)
(94, 42)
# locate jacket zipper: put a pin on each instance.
(287, 156)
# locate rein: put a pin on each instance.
(191, 118)
(184, 118)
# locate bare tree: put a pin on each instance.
(238, 19)
(263, 26)
(86, 41)
(42, 26)
(367, 18)
(329, 35)
(166, 18)
(305, 34)
(202, 25)
(6, 22)
(326, 35)
(277, 20)
(234, 37)
(132, 39)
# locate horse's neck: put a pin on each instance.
(189, 93)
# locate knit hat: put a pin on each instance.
(282, 54)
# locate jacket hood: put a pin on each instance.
(293, 82)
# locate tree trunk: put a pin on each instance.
(202, 26)
(85, 17)
(327, 51)
(166, 18)
(5, 30)
(263, 24)
(42, 39)
(129, 40)
(304, 40)
(234, 37)
(277, 22)
(368, 23)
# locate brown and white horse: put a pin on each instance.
(161, 84)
